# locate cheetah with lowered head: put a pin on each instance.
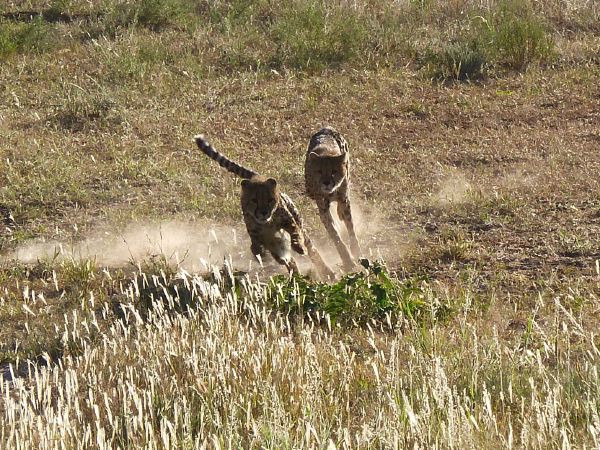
(327, 177)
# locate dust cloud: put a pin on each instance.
(199, 245)
(195, 246)
(519, 177)
(454, 188)
(380, 238)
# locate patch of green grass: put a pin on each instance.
(31, 308)
(155, 15)
(80, 109)
(138, 56)
(39, 187)
(308, 36)
(515, 37)
(57, 10)
(36, 36)
(484, 210)
(574, 244)
(238, 13)
(247, 49)
(391, 39)
(453, 246)
(311, 36)
(79, 274)
(461, 60)
(112, 19)
(510, 36)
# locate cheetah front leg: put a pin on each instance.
(256, 247)
(327, 219)
(345, 213)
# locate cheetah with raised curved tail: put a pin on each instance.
(272, 220)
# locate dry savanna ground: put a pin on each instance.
(474, 131)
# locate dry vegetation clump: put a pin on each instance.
(474, 133)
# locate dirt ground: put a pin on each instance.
(499, 177)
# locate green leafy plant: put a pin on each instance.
(358, 298)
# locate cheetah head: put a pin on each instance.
(330, 170)
(260, 198)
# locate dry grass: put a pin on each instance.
(232, 374)
(487, 192)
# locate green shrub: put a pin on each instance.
(372, 296)
(312, 36)
(516, 37)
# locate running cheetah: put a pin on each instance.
(326, 172)
(272, 220)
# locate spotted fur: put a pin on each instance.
(327, 180)
(272, 220)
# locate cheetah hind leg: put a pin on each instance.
(289, 263)
(327, 219)
(315, 257)
(345, 213)
(292, 267)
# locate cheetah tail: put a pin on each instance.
(223, 161)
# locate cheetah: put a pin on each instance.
(326, 176)
(272, 220)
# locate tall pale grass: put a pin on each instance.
(230, 373)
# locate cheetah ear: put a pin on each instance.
(343, 158)
(313, 155)
(245, 183)
(272, 183)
